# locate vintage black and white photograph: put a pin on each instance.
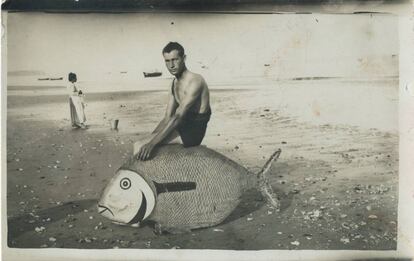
(207, 130)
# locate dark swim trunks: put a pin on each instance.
(193, 128)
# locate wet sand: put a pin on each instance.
(337, 176)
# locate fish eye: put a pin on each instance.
(125, 183)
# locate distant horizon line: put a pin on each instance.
(297, 78)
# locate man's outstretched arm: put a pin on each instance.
(193, 91)
(171, 108)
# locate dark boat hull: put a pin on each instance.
(152, 74)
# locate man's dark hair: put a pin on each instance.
(72, 76)
(174, 46)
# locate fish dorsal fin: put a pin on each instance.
(263, 182)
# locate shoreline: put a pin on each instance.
(322, 104)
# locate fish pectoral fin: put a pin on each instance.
(160, 229)
(157, 229)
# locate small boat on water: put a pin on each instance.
(152, 74)
(50, 79)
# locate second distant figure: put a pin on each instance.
(76, 103)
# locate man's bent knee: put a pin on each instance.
(187, 145)
(191, 142)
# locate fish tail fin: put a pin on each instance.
(264, 186)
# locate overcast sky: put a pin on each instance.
(220, 46)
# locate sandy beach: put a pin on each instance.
(337, 177)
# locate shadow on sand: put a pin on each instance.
(28, 222)
(253, 200)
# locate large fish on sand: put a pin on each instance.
(181, 189)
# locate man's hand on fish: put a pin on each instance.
(145, 151)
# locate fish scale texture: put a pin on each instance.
(220, 183)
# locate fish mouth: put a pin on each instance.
(102, 209)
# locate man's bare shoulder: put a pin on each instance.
(197, 79)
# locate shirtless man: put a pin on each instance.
(188, 109)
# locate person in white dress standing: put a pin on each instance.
(77, 106)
